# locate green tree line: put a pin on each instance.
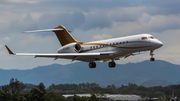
(18, 91)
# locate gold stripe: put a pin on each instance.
(93, 44)
(130, 47)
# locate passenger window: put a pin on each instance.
(93, 46)
(120, 43)
(143, 38)
(96, 46)
(126, 41)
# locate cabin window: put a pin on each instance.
(120, 43)
(143, 38)
(93, 46)
(96, 46)
(117, 43)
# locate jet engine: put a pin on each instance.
(70, 48)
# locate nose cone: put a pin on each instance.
(160, 44)
(157, 44)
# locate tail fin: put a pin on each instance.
(64, 36)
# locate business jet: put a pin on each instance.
(103, 50)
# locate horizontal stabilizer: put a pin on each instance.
(44, 30)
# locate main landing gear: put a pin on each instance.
(92, 64)
(112, 64)
(152, 58)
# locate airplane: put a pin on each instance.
(103, 50)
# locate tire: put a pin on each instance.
(152, 59)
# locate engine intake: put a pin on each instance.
(70, 48)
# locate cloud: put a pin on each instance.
(97, 20)
(23, 1)
(72, 20)
(101, 37)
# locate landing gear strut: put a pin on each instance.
(112, 64)
(152, 58)
(92, 64)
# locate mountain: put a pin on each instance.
(151, 83)
(79, 72)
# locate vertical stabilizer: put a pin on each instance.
(64, 36)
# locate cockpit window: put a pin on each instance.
(151, 37)
(143, 38)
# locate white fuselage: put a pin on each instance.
(121, 46)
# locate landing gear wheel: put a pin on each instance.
(92, 65)
(112, 64)
(152, 59)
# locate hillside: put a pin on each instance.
(79, 72)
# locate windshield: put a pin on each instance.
(143, 38)
(151, 37)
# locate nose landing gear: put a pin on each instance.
(152, 58)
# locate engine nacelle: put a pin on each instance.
(70, 48)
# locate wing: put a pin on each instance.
(62, 55)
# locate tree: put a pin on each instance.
(108, 87)
(78, 98)
(113, 86)
(42, 87)
(93, 98)
(16, 86)
(53, 97)
(37, 93)
(13, 91)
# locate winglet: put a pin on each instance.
(10, 52)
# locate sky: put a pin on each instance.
(89, 20)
